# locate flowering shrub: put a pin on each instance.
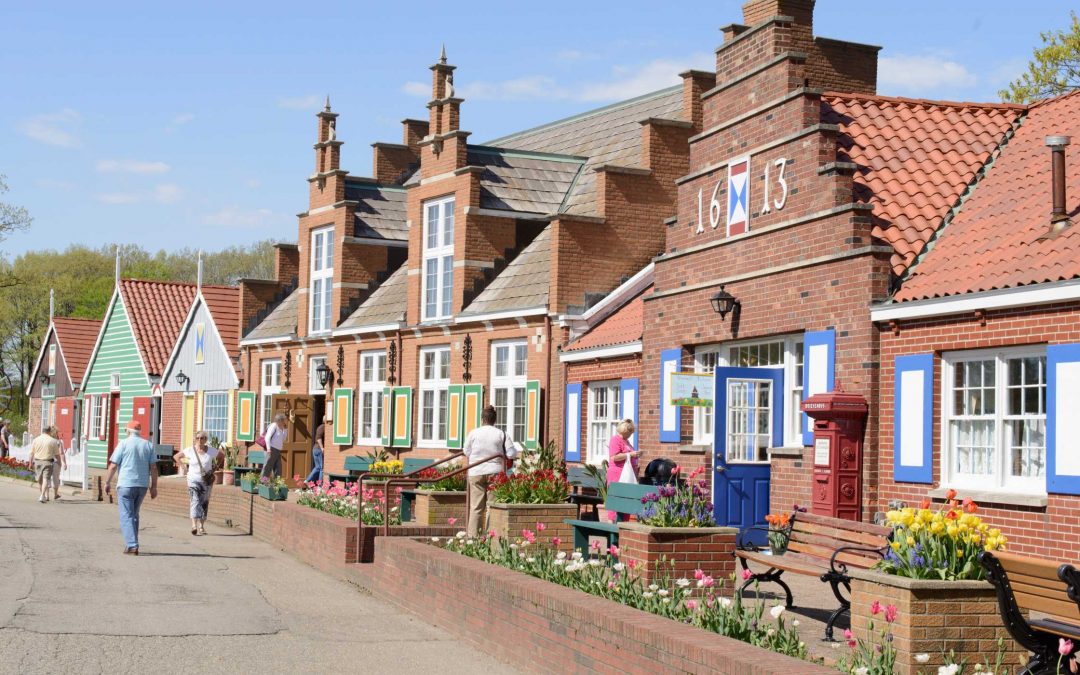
(779, 527)
(388, 466)
(694, 601)
(940, 544)
(339, 499)
(542, 486)
(685, 505)
(451, 484)
(15, 468)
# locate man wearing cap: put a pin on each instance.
(136, 462)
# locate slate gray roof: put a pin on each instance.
(609, 135)
(279, 323)
(385, 305)
(381, 211)
(522, 285)
(524, 181)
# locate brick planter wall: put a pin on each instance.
(710, 549)
(508, 520)
(541, 627)
(933, 617)
(435, 508)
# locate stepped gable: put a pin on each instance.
(522, 285)
(156, 310)
(386, 304)
(77, 338)
(998, 238)
(915, 159)
(623, 326)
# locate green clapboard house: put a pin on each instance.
(123, 377)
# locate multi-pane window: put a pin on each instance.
(749, 420)
(786, 354)
(705, 359)
(314, 363)
(604, 417)
(438, 258)
(270, 384)
(995, 419)
(509, 371)
(320, 300)
(216, 415)
(48, 413)
(372, 380)
(434, 381)
(94, 430)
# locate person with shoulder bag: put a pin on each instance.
(622, 458)
(200, 460)
(486, 442)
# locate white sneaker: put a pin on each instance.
(42, 499)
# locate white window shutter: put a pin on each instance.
(1062, 419)
(628, 400)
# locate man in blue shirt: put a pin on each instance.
(136, 461)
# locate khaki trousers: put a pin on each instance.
(478, 493)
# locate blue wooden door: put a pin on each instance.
(748, 420)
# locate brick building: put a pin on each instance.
(444, 281)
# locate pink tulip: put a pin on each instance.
(611, 585)
(451, 521)
(850, 637)
(698, 574)
(1065, 647)
(611, 516)
(691, 605)
(595, 545)
(875, 608)
(540, 527)
(555, 541)
(746, 574)
(613, 550)
(707, 581)
(492, 533)
(890, 613)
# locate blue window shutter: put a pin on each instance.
(670, 423)
(572, 422)
(1062, 420)
(819, 372)
(913, 414)
(628, 400)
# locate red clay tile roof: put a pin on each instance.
(156, 310)
(995, 240)
(224, 305)
(915, 158)
(621, 327)
(77, 338)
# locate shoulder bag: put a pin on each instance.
(207, 475)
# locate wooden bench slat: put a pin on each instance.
(1065, 610)
(839, 523)
(1034, 567)
(1064, 629)
(833, 543)
(825, 554)
(1053, 587)
(852, 537)
(788, 562)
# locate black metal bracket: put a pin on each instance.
(1043, 646)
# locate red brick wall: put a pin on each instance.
(172, 418)
(653, 549)
(1053, 530)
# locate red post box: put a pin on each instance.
(839, 424)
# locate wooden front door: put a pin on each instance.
(296, 451)
(187, 429)
(65, 421)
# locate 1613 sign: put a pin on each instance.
(737, 218)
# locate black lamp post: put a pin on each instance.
(724, 303)
(324, 373)
(44, 378)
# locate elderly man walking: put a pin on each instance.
(44, 451)
(275, 440)
(136, 462)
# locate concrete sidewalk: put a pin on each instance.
(70, 601)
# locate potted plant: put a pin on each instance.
(249, 482)
(231, 454)
(273, 488)
(535, 492)
(931, 569)
(779, 530)
(676, 524)
(440, 501)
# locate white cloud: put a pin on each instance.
(632, 81)
(299, 102)
(922, 74)
(168, 193)
(235, 217)
(521, 88)
(55, 129)
(572, 55)
(253, 183)
(118, 198)
(131, 166)
(183, 118)
(416, 89)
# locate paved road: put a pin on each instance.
(71, 602)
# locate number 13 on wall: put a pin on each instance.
(766, 207)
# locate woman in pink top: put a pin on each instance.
(619, 450)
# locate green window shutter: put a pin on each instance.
(245, 416)
(532, 414)
(471, 408)
(343, 416)
(455, 418)
(402, 416)
(387, 397)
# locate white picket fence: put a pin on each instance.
(75, 474)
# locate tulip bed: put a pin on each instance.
(16, 468)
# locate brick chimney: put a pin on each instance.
(1059, 217)
(444, 147)
(759, 11)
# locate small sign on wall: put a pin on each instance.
(692, 389)
(821, 451)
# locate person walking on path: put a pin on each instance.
(317, 456)
(275, 440)
(44, 451)
(200, 460)
(60, 464)
(5, 438)
(486, 442)
(136, 462)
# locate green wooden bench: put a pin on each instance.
(586, 491)
(255, 459)
(415, 463)
(622, 498)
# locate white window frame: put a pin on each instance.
(1000, 481)
(321, 281)
(100, 417)
(793, 385)
(223, 406)
(313, 377)
(373, 362)
(512, 382)
(596, 442)
(706, 358)
(46, 406)
(436, 385)
(269, 371)
(438, 255)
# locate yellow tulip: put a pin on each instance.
(895, 546)
(911, 541)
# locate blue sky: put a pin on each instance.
(191, 123)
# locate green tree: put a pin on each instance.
(1054, 68)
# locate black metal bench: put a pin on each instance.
(1036, 586)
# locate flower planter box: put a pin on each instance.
(710, 549)
(436, 508)
(933, 617)
(508, 520)
(274, 494)
(249, 485)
